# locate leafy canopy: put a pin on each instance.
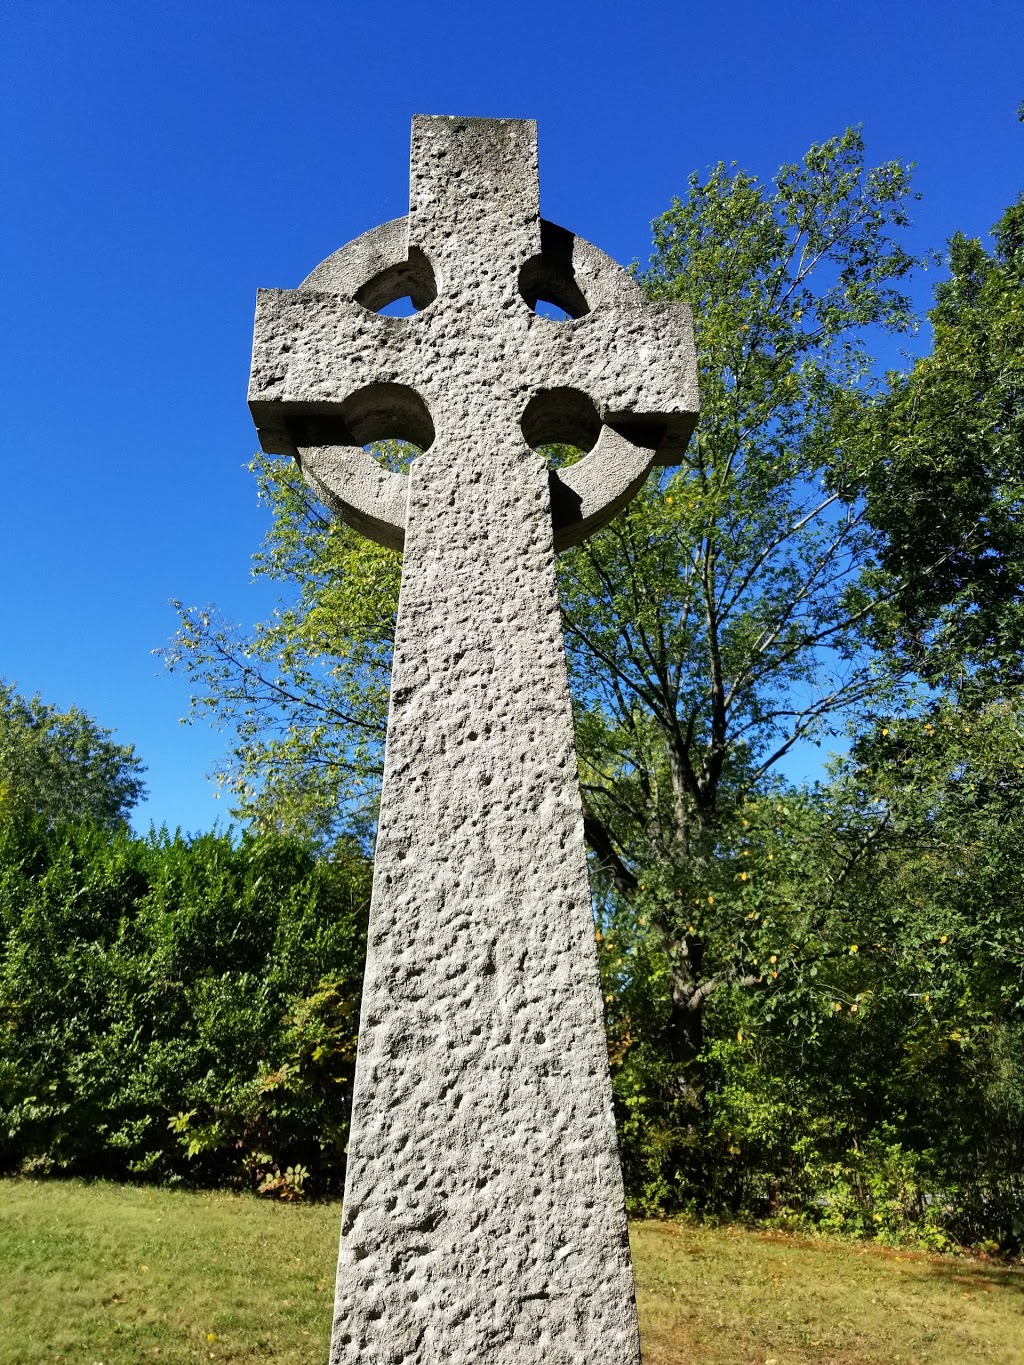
(61, 767)
(943, 475)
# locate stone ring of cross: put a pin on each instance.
(475, 366)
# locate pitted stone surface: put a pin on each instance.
(483, 1217)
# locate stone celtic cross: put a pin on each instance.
(483, 1217)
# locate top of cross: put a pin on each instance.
(474, 194)
(331, 372)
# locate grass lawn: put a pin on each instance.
(112, 1274)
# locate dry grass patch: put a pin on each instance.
(728, 1297)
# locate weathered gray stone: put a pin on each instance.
(483, 1216)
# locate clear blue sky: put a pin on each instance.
(162, 160)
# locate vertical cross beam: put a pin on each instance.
(484, 1216)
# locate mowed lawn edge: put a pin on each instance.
(105, 1274)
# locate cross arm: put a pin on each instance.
(311, 352)
(634, 360)
(634, 357)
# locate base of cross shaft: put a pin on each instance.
(484, 1216)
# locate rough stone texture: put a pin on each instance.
(483, 1217)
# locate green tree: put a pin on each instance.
(305, 695)
(943, 461)
(919, 1029)
(872, 1078)
(714, 626)
(61, 767)
(721, 620)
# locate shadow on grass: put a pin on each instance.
(978, 1277)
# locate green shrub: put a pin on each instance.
(177, 1009)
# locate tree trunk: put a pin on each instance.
(685, 1028)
